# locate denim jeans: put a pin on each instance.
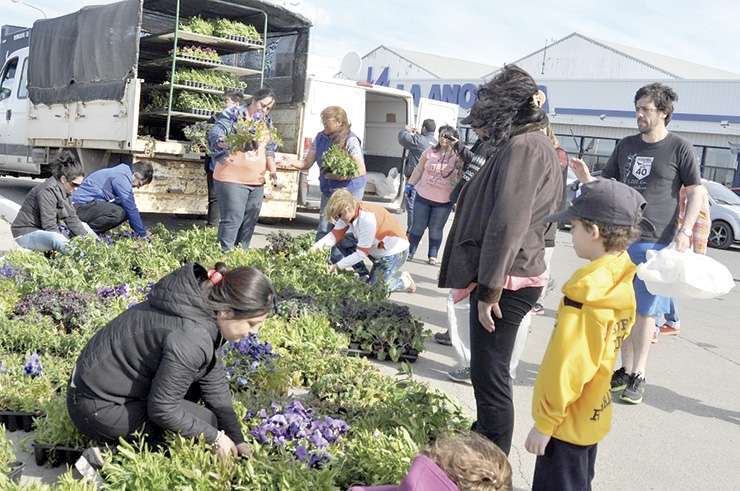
(387, 269)
(324, 225)
(408, 201)
(432, 216)
(42, 240)
(490, 358)
(239, 206)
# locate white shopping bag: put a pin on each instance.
(684, 274)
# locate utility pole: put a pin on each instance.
(544, 58)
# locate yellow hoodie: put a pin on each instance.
(572, 394)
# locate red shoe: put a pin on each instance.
(667, 330)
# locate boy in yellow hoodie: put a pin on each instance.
(572, 398)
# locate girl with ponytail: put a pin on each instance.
(149, 367)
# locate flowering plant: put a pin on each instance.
(298, 430)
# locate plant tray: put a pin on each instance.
(55, 455)
(198, 85)
(200, 60)
(410, 355)
(16, 469)
(18, 420)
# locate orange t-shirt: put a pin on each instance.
(246, 168)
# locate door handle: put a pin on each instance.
(8, 114)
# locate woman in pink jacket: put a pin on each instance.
(434, 178)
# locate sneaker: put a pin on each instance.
(88, 466)
(461, 375)
(443, 338)
(635, 389)
(433, 261)
(667, 330)
(538, 309)
(409, 285)
(620, 380)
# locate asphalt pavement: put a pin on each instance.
(686, 433)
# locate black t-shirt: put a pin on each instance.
(657, 171)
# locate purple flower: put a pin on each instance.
(301, 453)
(8, 271)
(33, 367)
(318, 440)
(114, 291)
(318, 458)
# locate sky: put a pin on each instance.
(491, 31)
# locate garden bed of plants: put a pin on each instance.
(315, 418)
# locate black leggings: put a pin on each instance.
(490, 354)
(105, 422)
(101, 216)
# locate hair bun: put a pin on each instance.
(220, 267)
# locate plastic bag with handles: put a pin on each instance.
(684, 274)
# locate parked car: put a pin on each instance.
(725, 215)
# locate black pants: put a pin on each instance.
(490, 354)
(564, 467)
(105, 422)
(213, 213)
(101, 216)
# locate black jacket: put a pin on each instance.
(499, 224)
(156, 350)
(415, 144)
(45, 207)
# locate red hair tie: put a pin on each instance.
(215, 277)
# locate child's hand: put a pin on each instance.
(536, 442)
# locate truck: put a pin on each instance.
(114, 83)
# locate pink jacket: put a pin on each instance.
(424, 475)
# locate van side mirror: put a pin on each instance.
(4, 93)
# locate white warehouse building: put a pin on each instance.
(590, 86)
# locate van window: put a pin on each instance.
(23, 85)
(6, 86)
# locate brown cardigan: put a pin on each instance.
(499, 224)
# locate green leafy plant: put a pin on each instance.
(55, 427)
(376, 457)
(199, 53)
(213, 79)
(186, 101)
(248, 133)
(227, 28)
(338, 162)
(21, 392)
(197, 134)
(197, 25)
(6, 452)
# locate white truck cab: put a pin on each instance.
(15, 152)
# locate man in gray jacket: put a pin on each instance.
(415, 144)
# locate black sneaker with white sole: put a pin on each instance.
(635, 390)
(620, 380)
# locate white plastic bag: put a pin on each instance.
(684, 274)
(385, 186)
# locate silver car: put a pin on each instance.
(725, 215)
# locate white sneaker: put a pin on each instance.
(408, 282)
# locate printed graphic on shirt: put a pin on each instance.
(638, 171)
(619, 331)
(605, 401)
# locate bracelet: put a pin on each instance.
(687, 233)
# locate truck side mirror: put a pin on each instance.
(4, 93)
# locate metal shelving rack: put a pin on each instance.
(222, 45)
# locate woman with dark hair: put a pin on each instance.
(239, 176)
(434, 178)
(148, 368)
(337, 131)
(49, 206)
(497, 244)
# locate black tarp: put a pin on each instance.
(85, 56)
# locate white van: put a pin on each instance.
(377, 114)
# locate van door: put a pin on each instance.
(14, 149)
(443, 113)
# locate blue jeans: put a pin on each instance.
(324, 225)
(408, 201)
(670, 318)
(432, 216)
(42, 240)
(387, 270)
(239, 206)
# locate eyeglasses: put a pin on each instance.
(643, 109)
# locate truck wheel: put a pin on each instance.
(721, 235)
(269, 220)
